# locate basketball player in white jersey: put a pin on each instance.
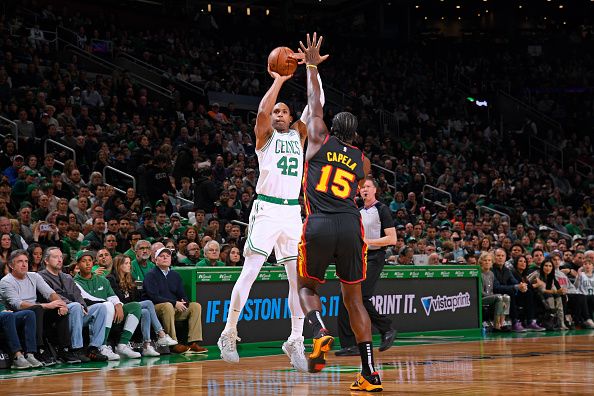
(275, 219)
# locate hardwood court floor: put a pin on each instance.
(531, 364)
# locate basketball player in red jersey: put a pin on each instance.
(333, 231)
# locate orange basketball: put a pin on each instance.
(280, 62)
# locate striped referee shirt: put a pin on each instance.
(376, 218)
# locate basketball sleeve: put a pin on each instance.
(385, 218)
(305, 112)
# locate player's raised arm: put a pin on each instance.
(263, 128)
(366, 170)
(301, 124)
(316, 128)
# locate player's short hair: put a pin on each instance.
(344, 126)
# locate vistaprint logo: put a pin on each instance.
(445, 303)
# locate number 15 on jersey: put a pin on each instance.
(340, 186)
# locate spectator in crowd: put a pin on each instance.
(19, 290)
(96, 289)
(79, 314)
(164, 288)
(584, 283)
(104, 263)
(572, 267)
(19, 330)
(158, 179)
(234, 258)
(552, 294)
(96, 236)
(148, 229)
(192, 254)
(433, 259)
(577, 312)
(501, 302)
(212, 250)
(111, 242)
(125, 288)
(5, 249)
(142, 264)
(173, 247)
(517, 290)
(206, 191)
(17, 241)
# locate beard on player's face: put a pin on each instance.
(281, 124)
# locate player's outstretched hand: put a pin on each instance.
(312, 51)
(277, 76)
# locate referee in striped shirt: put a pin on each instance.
(379, 233)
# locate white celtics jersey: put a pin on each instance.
(281, 166)
(585, 283)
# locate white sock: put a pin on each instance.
(297, 315)
(241, 290)
(296, 327)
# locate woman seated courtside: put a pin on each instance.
(552, 295)
(125, 288)
(499, 301)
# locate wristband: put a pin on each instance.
(312, 66)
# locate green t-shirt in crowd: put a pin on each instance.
(139, 272)
(96, 286)
(69, 248)
(206, 263)
(130, 253)
(189, 263)
(572, 229)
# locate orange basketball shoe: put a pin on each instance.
(322, 343)
(367, 383)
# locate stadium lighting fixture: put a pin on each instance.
(458, 7)
(209, 7)
(561, 6)
(229, 9)
(248, 11)
(267, 11)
